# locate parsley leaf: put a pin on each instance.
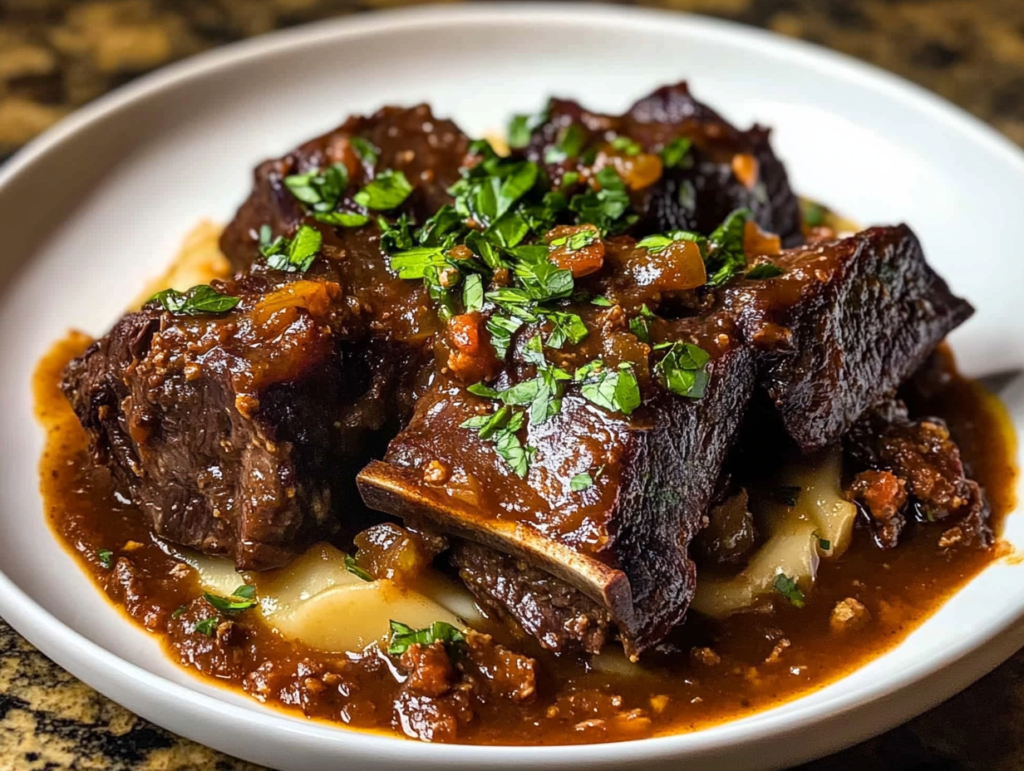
(291, 254)
(501, 428)
(365, 149)
(660, 242)
(676, 154)
(764, 270)
(641, 325)
(106, 558)
(521, 127)
(416, 262)
(473, 293)
(404, 637)
(570, 143)
(788, 588)
(814, 214)
(342, 219)
(581, 482)
(823, 543)
(626, 146)
(388, 190)
(179, 611)
(682, 370)
(568, 327)
(601, 301)
(501, 329)
(197, 300)
(208, 626)
(606, 208)
(725, 255)
(243, 598)
(614, 389)
(319, 190)
(354, 569)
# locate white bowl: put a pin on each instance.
(98, 204)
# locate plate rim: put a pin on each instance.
(86, 659)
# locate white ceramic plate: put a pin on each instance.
(99, 204)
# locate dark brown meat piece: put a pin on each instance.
(845, 324)
(912, 468)
(623, 542)
(559, 616)
(726, 169)
(216, 425)
(427, 149)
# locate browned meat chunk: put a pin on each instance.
(913, 467)
(558, 615)
(843, 326)
(214, 424)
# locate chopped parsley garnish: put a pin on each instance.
(208, 626)
(626, 146)
(581, 482)
(295, 254)
(660, 242)
(195, 301)
(576, 241)
(615, 389)
(319, 190)
(606, 208)
(106, 558)
(404, 637)
(788, 588)
(569, 145)
(342, 219)
(601, 301)
(366, 150)
(179, 611)
(354, 569)
(725, 257)
(764, 270)
(568, 327)
(473, 293)
(823, 543)
(676, 154)
(641, 325)
(243, 598)
(683, 369)
(521, 127)
(787, 495)
(814, 214)
(500, 428)
(388, 190)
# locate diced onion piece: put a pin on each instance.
(351, 616)
(796, 535)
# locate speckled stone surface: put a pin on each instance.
(56, 55)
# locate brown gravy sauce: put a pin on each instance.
(575, 702)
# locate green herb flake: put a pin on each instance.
(404, 637)
(243, 598)
(683, 369)
(788, 588)
(179, 611)
(569, 145)
(106, 558)
(814, 214)
(196, 301)
(295, 254)
(626, 146)
(601, 302)
(521, 127)
(764, 270)
(387, 191)
(319, 190)
(365, 150)
(823, 543)
(342, 219)
(568, 327)
(208, 626)
(725, 257)
(676, 154)
(616, 389)
(354, 569)
(606, 208)
(482, 390)
(661, 241)
(581, 482)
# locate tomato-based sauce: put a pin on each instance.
(713, 671)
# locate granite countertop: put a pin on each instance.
(56, 55)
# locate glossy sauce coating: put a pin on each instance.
(717, 670)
